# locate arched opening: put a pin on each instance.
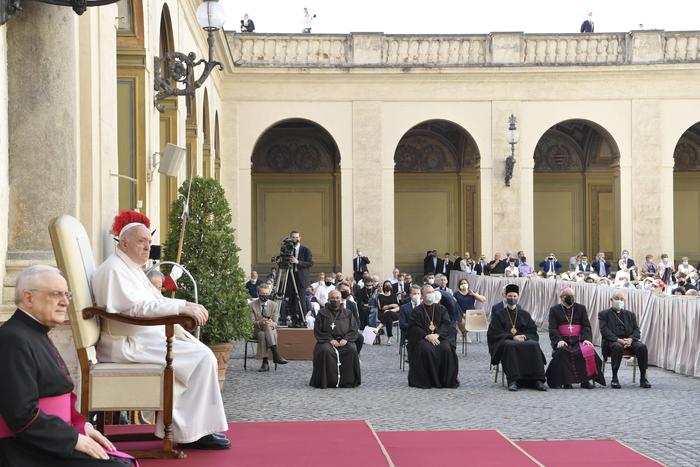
(436, 176)
(206, 144)
(686, 195)
(168, 123)
(296, 186)
(576, 192)
(217, 149)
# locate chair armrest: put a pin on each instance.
(186, 322)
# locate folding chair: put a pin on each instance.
(245, 352)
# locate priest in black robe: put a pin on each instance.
(336, 363)
(514, 343)
(39, 425)
(432, 359)
(574, 359)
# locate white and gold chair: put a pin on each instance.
(104, 386)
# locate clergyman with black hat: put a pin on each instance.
(514, 343)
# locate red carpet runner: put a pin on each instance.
(582, 453)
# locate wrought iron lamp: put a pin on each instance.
(9, 8)
(180, 67)
(513, 136)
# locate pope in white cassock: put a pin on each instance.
(121, 286)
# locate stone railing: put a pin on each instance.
(430, 51)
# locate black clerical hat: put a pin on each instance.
(512, 288)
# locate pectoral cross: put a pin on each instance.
(332, 325)
(571, 328)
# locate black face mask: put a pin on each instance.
(387, 289)
(328, 283)
(569, 300)
(333, 305)
(263, 298)
(344, 294)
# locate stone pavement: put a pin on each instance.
(662, 422)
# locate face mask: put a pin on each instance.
(264, 298)
(308, 293)
(328, 283)
(415, 299)
(624, 256)
(512, 301)
(685, 263)
(344, 294)
(584, 262)
(437, 296)
(429, 299)
(387, 289)
(368, 285)
(333, 304)
(463, 287)
(618, 304)
(569, 300)
(431, 281)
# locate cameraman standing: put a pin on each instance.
(300, 264)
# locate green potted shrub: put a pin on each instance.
(210, 254)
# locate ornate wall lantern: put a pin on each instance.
(180, 67)
(9, 8)
(513, 135)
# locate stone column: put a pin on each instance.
(373, 203)
(4, 190)
(43, 125)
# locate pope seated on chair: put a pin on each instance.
(620, 334)
(514, 343)
(39, 425)
(121, 286)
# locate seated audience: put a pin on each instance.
(406, 310)
(550, 266)
(496, 265)
(388, 309)
(39, 425)
(512, 270)
(322, 289)
(601, 266)
(666, 269)
(685, 267)
(619, 334)
(525, 269)
(441, 282)
(347, 301)
(649, 268)
(574, 359)
(335, 361)
(433, 361)
(481, 267)
(466, 299)
(584, 265)
(264, 314)
(253, 284)
(514, 343)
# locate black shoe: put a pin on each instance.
(615, 384)
(586, 385)
(280, 360)
(644, 383)
(265, 366)
(567, 386)
(513, 386)
(208, 442)
(539, 385)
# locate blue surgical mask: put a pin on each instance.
(512, 301)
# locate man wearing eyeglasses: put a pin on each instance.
(38, 421)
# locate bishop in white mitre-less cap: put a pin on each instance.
(121, 286)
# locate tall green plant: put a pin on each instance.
(210, 253)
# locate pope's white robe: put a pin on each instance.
(121, 286)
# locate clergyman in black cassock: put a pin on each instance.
(39, 425)
(432, 359)
(574, 359)
(514, 343)
(335, 329)
(620, 333)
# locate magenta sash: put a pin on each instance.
(60, 406)
(587, 351)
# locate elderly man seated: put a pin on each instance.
(620, 334)
(264, 314)
(121, 286)
(39, 425)
(433, 359)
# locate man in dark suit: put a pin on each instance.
(601, 266)
(550, 265)
(359, 265)
(630, 263)
(300, 264)
(430, 262)
(620, 333)
(584, 265)
(588, 26)
(481, 267)
(497, 265)
(253, 284)
(444, 265)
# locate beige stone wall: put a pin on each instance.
(4, 187)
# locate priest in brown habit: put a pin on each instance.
(514, 343)
(432, 360)
(336, 363)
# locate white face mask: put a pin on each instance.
(429, 299)
(685, 263)
(437, 296)
(463, 287)
(431, 281)
(618, 304)
(415, 299)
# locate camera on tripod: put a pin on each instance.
(286, 252)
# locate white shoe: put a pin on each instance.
(389, 341)
(469, 340)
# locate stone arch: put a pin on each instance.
(576, 182)
(686, 195)
(296, 185)
(436, 172)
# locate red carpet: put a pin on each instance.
(473, 448)
(589, 452)
(290, 444)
